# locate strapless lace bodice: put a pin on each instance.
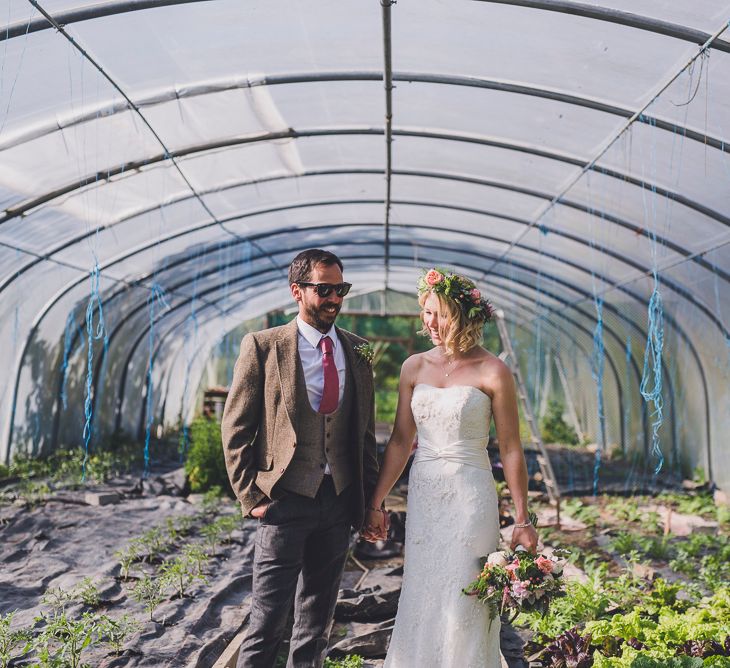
(453, 423)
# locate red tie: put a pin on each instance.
(331, 391)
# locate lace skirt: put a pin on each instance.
(452, 521)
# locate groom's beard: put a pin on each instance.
(320, 318)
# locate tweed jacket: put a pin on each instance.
(259, 425)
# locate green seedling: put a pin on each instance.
(13, 643)
(126, 559)
(197, 556)
(56, 598)
(180, 573)
(172, 531)
(227, 524)
(114, 632)
(154, 542)
(582, 512)
(211, 535)
(63, 639)
(183, 525)
(349, 661)
(150, 592)
(212, 500)
(87, 592)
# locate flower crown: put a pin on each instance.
(458, 288)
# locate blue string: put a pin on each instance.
(190, 345)
(718, 308)
(598, 354)
(627, 396)
(92, 334)
(156, 299)
(68, 338)
(598, 359)
(651, 378)
(538, 354)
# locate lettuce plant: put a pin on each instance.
(569, 650)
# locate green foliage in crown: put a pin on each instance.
(459, 289)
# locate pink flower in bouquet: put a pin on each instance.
(511, 568)
(520, 589)
(544, 564)
(433, 277)
(475, 295)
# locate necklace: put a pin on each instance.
(451, 370)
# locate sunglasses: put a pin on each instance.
(326, 289)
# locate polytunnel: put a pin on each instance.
(162, 161)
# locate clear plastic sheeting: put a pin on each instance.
(571, 157)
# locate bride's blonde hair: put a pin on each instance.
(457, 332)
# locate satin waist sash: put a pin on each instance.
(472, 452)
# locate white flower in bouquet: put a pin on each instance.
(497, 559)
(558, 566)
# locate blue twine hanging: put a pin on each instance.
(70, 332)
(627, 396)
(93, 333)
(156, 299)
(651, 378)
(190, 345)
(598, 354)
(598, 360)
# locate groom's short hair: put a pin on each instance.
(302, 265)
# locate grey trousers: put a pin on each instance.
(299, 555)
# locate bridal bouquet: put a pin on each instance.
(518, 582)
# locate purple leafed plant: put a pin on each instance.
(570, 650)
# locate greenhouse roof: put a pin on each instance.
(570, 157)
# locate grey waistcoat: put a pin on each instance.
(321, 440)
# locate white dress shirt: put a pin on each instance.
(311, 356)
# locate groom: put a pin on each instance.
(299, 444)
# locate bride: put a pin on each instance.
(448, 396)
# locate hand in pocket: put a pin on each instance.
(260, 510)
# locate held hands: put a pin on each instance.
(376, 525)
(525, 536)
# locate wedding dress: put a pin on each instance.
(452, 520)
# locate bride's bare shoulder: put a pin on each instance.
(415, 363)
(494, 370)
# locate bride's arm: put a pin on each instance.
(400, 443)
(507, 422)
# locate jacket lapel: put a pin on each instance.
(286, 359)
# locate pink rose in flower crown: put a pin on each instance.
(544, 564)
(433, 277)
(476, 295)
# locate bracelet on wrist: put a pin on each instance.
(522, 525)
(380, 510)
